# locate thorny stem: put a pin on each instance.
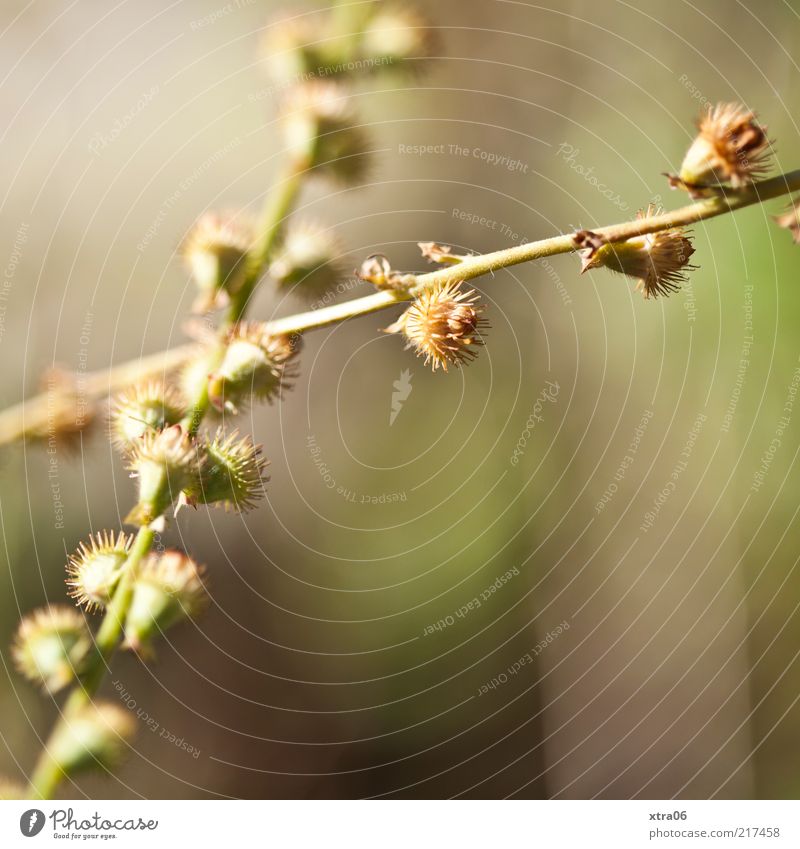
(47, 773)
(30, 417)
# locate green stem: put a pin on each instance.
(47, 773)
(477, 266)
(278, 205)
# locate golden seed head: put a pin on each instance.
(307, 260)
(165, 462)
(97, 735)
(216, 253)
(169, 588)
(93, 571)
(50, 645)
(444, 324)
(657, 261)
(790, 220)
(233, 476)
(319, 127)
(731, 148)
(255, 365)
(146, 407)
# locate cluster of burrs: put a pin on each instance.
(156, 424)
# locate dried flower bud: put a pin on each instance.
(12, 790)
(254, 365)
(233, 475)
(377, 270)
(216, 254)
(318, 127)
(658, 261)
(97, 735)
(443, 324)
(790, 220)
(146, 407)
(397, 36)
(442, 254)
(731, 147)
(50, 646)
(165, 462)
(168, 589)
(94, 570)
(307, 260)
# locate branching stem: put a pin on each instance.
(30, 417)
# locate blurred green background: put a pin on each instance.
(316, 672)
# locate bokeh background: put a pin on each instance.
(671, 668)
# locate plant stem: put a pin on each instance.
(47, 773)
(30, 417)
(277, 207)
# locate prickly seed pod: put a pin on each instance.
(444, 325)
(790, 220)
(307, 260)
(97, 736)
(216, 253)
(255, 365)
(146, 407)
(657, 261)
(293, 50)
(319, 128)
(12, 790)
(397, 37)
(50, 646)
(165, 462)
(94, 570)
(168, 589)
(233, 475)
(730, 147)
